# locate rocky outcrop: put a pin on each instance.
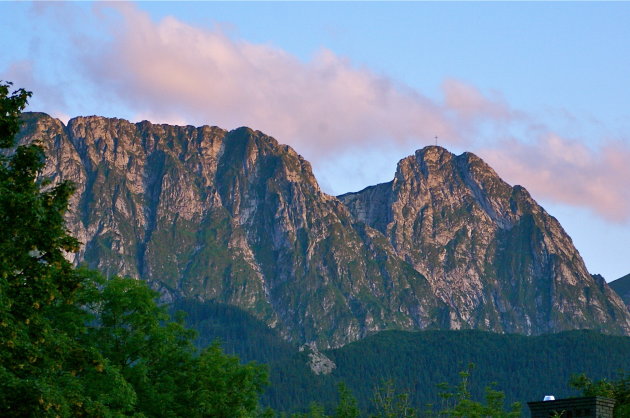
(238, 218)
(317, 361)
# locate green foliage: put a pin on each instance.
(524, 368)
(227, 388)
(239, 331)
(390, 404)
(457, 401)
(617, 389)
(75, 344)
(11, 107)
(315, 410)
(347, 406)
(39, 321)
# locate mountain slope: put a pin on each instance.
(233, 217)
(488, 249)
(236, 218)
(525, 367)
(622, 287)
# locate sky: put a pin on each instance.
(539, 90)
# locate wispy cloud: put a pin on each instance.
(323, 105)
(170, 71)
(470, 105)
(23, 74)
(566, 171)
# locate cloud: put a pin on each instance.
(471, 105)
(320, 106)
(566, 171)
(329, 109)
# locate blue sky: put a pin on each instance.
(539, 90)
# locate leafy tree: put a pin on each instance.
(315, 410)
(347, 406)
(75, 344)
(11, 107)
(618, 389)
(157, 358)
(457, 402)
(390, 404)
(224, 386)
(39, 319)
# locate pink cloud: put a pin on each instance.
(471, 105)
(170, 71)
(319, 106)
(566, 171)
(550, 166)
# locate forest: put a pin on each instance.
(422, 364)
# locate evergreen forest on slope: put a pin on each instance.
(525, 368)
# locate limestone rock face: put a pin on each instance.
(233, 217)
(238, 218)
(490, 252)
(317, 361)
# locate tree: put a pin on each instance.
(315, 410)
(157, 357)
(457, 401)
(618, 389)
(38, 286)
(347, 406)
(75, 344)
(11, 107)
(390, 404)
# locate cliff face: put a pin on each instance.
(234, 217)
(490, 252)
(238, 218)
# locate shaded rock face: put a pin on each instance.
(490, 252)
(238, 218)
(622, 287)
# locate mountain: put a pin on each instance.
(622, 287)
(237, 218)
(233, 217)
(490, 252)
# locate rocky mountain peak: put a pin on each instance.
(235, 217)
(433, 155)
(488, 249)
(427, 160)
